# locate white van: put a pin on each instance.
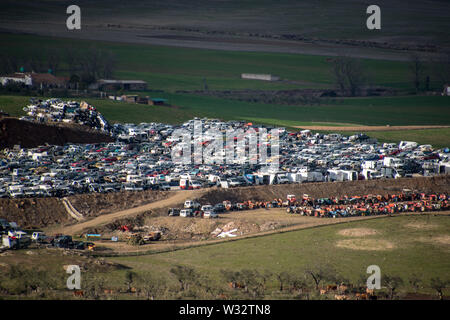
(186, 213)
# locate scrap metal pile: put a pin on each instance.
(56, 110)
(329, 207)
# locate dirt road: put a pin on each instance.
(175, 199)
(370, 128)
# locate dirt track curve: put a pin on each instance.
(176, 198)
(370, 128)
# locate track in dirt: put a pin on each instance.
(177, 198)
(370, 128)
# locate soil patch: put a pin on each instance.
(421, 226)
(365, 244)
(358, 232)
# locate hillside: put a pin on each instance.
(28, 135)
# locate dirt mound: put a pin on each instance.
(439, 240)
(365, 244)
(421, 225)
(28, 134)
(358, 232)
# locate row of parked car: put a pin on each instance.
(14, 237)
(141, 158)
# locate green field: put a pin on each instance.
(329, 19)
(407, 247)
(170, 69)
(296, 250)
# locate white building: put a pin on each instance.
(255, 76)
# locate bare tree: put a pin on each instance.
(349, 75)
(8, 64)
(441, 66)
(283, 279)
(322, 273)
(392, 283)
(53, 60)
(129, 279)
(415, 282)
(151, 286)
(439, 285)
(185, 276)
(416, 67)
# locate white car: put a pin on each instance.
(210, 214)
(186, 213)
(191, 204)
(207, 207)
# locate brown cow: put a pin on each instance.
(331, 288)
(323, 291)
(78, 293)
(370, 291)
(340, 297)
(361, 296)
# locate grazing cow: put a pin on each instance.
(331, 288)
(343, 288)
(370, 291)
(78, 293)
(361, 296)
(340, 297)
(323, 291)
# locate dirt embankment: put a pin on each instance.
(49, 211)
(28, 134)
(44, 212)
(34, 213)
(93, 205)
(332, 189)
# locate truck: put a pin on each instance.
(191, 204)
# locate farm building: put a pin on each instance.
(157, 101)
(32, 79)
(140, 100)
(112, 85)
(265, 77)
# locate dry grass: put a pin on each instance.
(365, 244)
(357, 232)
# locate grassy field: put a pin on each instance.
(170, 69)
(416, 250)
(404, 246)
(328, 19)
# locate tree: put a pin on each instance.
(151, 286)
(415, 282)
(439, 285)
(322, 273)
(185, 276)
(349, 75)
(283, 278)
(416, 67)
(441, 66)
(129, 279)
(53, 60)
(392, 283)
